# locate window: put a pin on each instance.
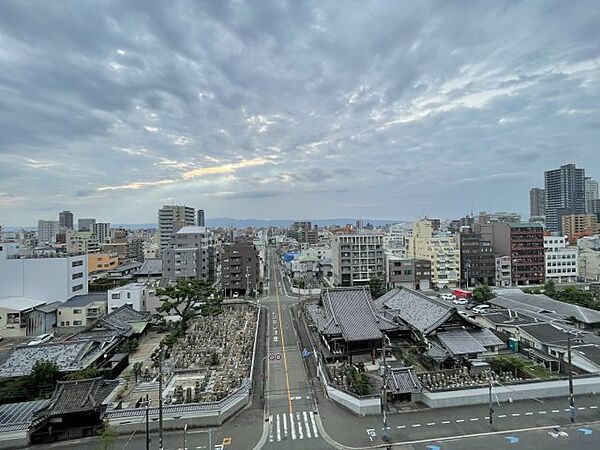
(77, 263)
(77, 311)
(76, 322)
(62, 324)
(67, 323)
(408, 272)
(77, 288)
(129, 295)
(77, 275)
(115, 296)
(12, 318)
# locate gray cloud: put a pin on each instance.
(306, 108)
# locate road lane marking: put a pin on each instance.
(285, 430)
(555, 410)
(416, 425)
(430, 424)
(305, 417)
(445, 422)
(460, 420)
(285, 365)
(501, 416)
(581, 408)
(270, 428)
(593, 407)
(474, 419)
(515, 414)
(401, 427)
(278, 429)
(529, 414)
(300, 431)
(543, 412)
(314, 425)
(292, 426)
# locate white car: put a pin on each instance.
(41, 339)
(449, 297)
(460, 301)
(480, 309)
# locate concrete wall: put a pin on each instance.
(360, 406)
(314, 291)
(544, 389)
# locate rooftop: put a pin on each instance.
(129, 287)
(85, 299)
(192, 230)
(18, 303)
(150, 267)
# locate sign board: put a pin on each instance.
(274, 356)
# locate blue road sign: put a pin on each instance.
(512, 439)
(585, 431)
(305, 353)
(433, 447)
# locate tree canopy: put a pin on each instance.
(377, 287)
(483, 294)
(189, 298)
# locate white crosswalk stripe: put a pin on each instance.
(298, 425)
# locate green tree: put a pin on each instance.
(483, 294)
(377, 287)
(83, 374)
(107, 436)
(43, 376)
(189, 298)
(550, 289)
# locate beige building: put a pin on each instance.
(440, 249)
(573, 224)
(81, 242)
(102, 261)
(81, 310)
(589, 257)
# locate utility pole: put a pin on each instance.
(490, 401)
(571, 396)
(147, 424)
(385, 436)
(184, 437)
(160, 399)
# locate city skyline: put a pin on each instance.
(300, 110)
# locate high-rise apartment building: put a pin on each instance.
(201, 220)
(591, 194)
(438, 248)
(65, 219)
(536, 202)
(190, 254)
(357, 258)
(477, 260)
(239, 268)
(576, 224)
(565, 194)
(527, 253)
(101, 231)
(85, 224)
(170, 219)
(47, 231)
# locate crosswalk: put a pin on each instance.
(294, 425)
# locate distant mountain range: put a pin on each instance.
(223, 222)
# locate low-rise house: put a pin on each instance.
(81, 310)
(16, 317)
(132, 294)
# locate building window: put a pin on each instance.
(115, 296)
(77, 263)
(79, 287)
(76, 322)
(77, 275)
(77, 311)
(62, 324)
(12, 318)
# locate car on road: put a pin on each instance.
(447, 296)
(460, 301)
(481, 309)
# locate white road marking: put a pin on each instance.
(460, 420)
(300, 432)
(292, 426)
(416, 425)
(474, 419)
(541, 412)
(501, 416)
(285, 431)
(401, 427)
(314, 425)
(555, 410)
(515, 414)
(430, 424)
(529, 414)
(593, 407)
(270, 428)
(305, 416)
(581, 408)
(278, 429)
(445, 422)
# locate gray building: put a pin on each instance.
(240, 269)
(357, 258)
(536, 202)
(407, 272)
(65, 219)
(565, 194)
(477, 261)
(201, 219)
(190, 254)
(591, 194)
(170, 219)
(85, 224)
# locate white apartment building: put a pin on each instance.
(133, 294)
(357, 258)
(440, 249)
(503, 271)
(589, 257)
(101, 232)
(561, 261)
(170, 218)
(47, 231)
(45, 279)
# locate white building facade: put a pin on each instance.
(561, 261)
(133, 294)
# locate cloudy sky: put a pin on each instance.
(292, 109)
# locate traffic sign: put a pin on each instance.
(305, 353)
(585, 431)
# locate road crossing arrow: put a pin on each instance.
(433, 447)
(305, 353)
(585, 431)
(512, 439)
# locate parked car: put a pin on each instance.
(460, 301)
(41, 339)
(480, 309)
(446, 296)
